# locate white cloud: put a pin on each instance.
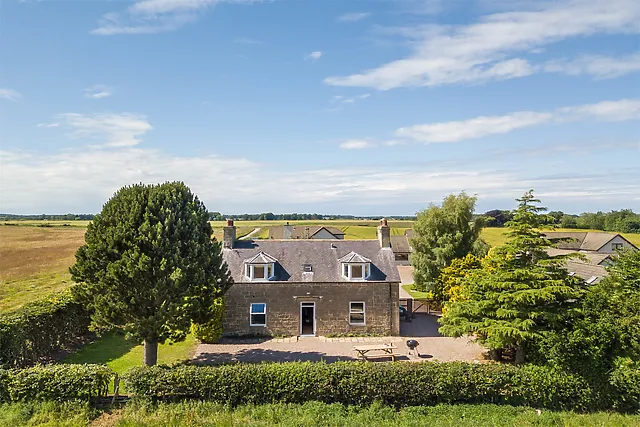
(97, 92)
(313, 56)
(10, 94)
(356, 144)
(352, 100)
(155, 16)
(48, 125)
(107, 130)
(353, 17)
(487, 50)
(454, 131)
(601, 67)
(81, 180)
(247, 40)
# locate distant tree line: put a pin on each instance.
(46, 217)
(622, 221)
(213, 216)
(270, 216)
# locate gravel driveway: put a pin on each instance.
(432, 346)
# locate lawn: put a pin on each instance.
(193, 413)
(120, 354)
(416, 294)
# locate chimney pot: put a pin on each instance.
(383, 222)
(229, 223)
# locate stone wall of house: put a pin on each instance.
(331, 304)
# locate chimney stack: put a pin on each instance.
(229, 236)
(384, 234)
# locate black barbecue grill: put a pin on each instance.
(413, 346)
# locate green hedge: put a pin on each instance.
(362, 383)
(40, 329)
(625, 381)
(54, 382)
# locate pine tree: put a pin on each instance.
(520, 292)
(149, 265)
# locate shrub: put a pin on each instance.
(55, 382)
(211, 331)
(625, 380)
(41, 328)
(362, 383)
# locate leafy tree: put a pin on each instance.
(442, 234)
(568, 221)
(497, 218)
(519, 293)
(452, 282)
(149, 265)
(606, 334)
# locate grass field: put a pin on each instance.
(34, 262)
(416, 294)
(194, 413)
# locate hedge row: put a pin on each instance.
(54, 382)
(361, 383)
(41, 328)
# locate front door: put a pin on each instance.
(308, 318)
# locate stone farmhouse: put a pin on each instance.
(311, 286)
(305, 232)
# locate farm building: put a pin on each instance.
(311, 286)
(305, 232)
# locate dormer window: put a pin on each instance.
(260, 267)
(355, 267)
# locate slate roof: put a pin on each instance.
(302, 231)
(592, 266)
(261, 258)
(400, 244)
(323, 256)
(593, 258)
(584, 241)
(354, 257)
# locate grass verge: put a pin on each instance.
(416, 294)
(194, 413)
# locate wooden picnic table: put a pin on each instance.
(385, 350)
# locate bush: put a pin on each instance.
(362, 383)
(211, 331)
(54, 382)
(41, 328)
(625, 380)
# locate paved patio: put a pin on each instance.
(423, 328)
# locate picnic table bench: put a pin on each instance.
(379, 350)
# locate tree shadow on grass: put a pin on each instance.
(109, 347)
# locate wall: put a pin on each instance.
(606, 249)
(332, 307)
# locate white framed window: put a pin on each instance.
(616, 246)
(357, 313)
(259, 271)
(258, 314)
(356, 271)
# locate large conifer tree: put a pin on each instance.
(149, 265)
(519, 292)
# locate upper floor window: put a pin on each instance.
(355, 267)
(616, 246)
(260, 267)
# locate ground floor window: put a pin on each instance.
(356, 313)
(258, 315)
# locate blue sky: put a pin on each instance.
(360, 107)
